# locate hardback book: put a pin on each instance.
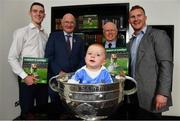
(58, 25)
(90, 22)
(37, 67)
(117, 60)
(80, 22)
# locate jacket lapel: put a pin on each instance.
(141, 48)
(73, 43)
(141, 51)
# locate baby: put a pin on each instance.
(93, 72)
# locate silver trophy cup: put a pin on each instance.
(91, 101)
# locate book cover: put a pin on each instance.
(58, 25)
(117, 60)
(90, 22)
(37, 67)
(80, 22)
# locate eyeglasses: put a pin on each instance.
(110, 30)
(69, 22)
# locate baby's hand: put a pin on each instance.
(62, 73)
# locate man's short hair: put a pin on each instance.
(137, 7)
(36, 3)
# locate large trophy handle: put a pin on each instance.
(53, 84)
(133, 90)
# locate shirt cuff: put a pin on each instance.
(23, 75)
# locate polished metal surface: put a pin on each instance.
(91, 101)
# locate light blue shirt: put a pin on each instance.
(84, 76)
(134, 48)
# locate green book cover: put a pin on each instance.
(36, 67)
(117, 60)
(90, 22)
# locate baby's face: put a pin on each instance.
(95, 57)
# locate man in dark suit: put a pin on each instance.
(65, 53)
(151, 64)
(110, 32)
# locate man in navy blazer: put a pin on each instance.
(64, 56)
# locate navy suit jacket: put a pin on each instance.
(119, 43)
(59, 58)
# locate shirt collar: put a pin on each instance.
(143, 31)
(112, 42)
(65, 33)
(32, 26)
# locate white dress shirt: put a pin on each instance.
(112, 42)
(28, 41)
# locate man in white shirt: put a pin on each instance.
(29, 41)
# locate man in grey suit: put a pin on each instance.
(151, 64)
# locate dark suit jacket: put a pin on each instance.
(59, 58)
(154, 68)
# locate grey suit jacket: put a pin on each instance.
(154, 68)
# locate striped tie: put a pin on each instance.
(68, 42)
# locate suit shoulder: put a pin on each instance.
(56, 33)
(158, 31)
(77, 37)
(21, 30)
(158, 35)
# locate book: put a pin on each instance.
(80, 22)
(90, 22)
(117, 60)
(58, 25)
(117, 20)
(37, 67)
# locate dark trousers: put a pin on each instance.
(29, 95)
(57, 105)
(134, 112)
(55, 99)
(120, 113)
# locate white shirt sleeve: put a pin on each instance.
(14, 57)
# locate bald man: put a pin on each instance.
(65, 52)
(110, 32)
